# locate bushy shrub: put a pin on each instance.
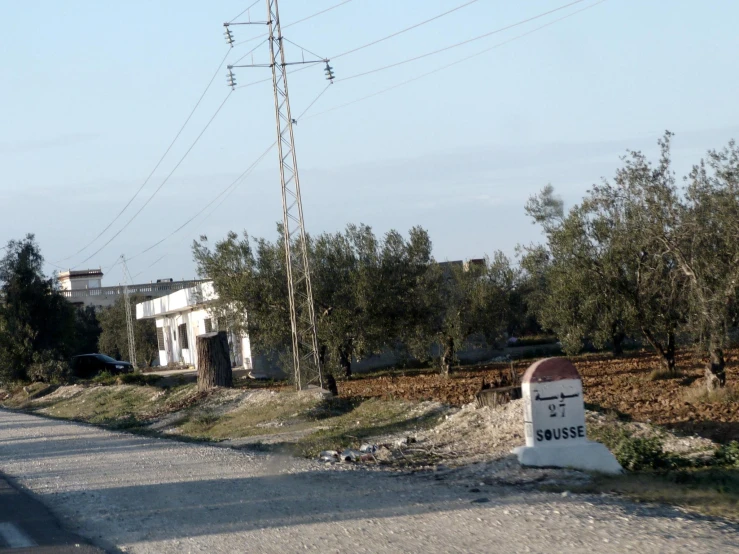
(104, 378)
(138, 379)
(727, 455)
(638, 454)
(48, 368)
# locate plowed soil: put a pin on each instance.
(620, 385)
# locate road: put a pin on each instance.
(27, 526)
(136, 494)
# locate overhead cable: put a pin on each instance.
(161, 159)
(151, 197)
(223, 195)
(458, 44)
(294, 22)
(446, 66)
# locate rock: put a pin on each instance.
(350, 455)
(368, 448)
(328, 456)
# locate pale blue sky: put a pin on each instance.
(94, 91)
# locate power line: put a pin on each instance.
(246, 10)
(230, 188)
(171, 144)
(294, 22)
(438, 69)
(317, 14)
(458, 44)
(191, 219)
(249, 52)
(161, 185)
(358, 48)
(234, 184)
(402, 31)
(302, 48)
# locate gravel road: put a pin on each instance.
(139, 494)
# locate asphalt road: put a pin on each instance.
(26, 525)
(137, 494)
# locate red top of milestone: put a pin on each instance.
(550, 369)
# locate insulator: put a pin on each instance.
(329, 72)
(231, 79)
(229, 36)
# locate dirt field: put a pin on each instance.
(620, 385)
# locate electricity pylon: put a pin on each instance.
(306, 359)
(129, 316)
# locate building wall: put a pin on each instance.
(194, 320)
(107, 296)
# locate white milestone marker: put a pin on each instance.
(554, 421)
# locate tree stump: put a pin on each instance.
(498, 396)
(214, 361)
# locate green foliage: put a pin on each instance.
(137, 378)
(113, 339)
(104, 378)
(642, 256)
(727, 455)
(369, 292)
(638, 454)
(48, 368)
(34, 318)
(87, 331)
(465, 304)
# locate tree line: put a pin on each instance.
(642, 257)
(40, 330)
(371, 294)
(645, 257)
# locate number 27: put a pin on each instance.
(553, 410)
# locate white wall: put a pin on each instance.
(194, 319)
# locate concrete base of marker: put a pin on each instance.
(587, 456)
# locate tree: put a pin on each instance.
(609, 268)
(465, 302)
(35, 320)
(87, 330)
(365, 290)
(702, 237)
(114, 336)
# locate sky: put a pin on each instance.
(93, 93)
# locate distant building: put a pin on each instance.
(183, 315)
(84, 279)
(84, 288)
(466, 265)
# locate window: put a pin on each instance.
(183, 336)
(208, 325)
(160, 337)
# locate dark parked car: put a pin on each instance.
(89, 365)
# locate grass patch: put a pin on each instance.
(727, 395)
(370, 418)
(662, 374)
(260, 415)
(710, 491)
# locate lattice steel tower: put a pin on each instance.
(306, 360)
(129, 315)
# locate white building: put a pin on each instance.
(182, 316)
(84, 288)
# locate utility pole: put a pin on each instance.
(306, 360)
(129, 317)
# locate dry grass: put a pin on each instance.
(709, 491)
(662, 374)
(727, 395)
